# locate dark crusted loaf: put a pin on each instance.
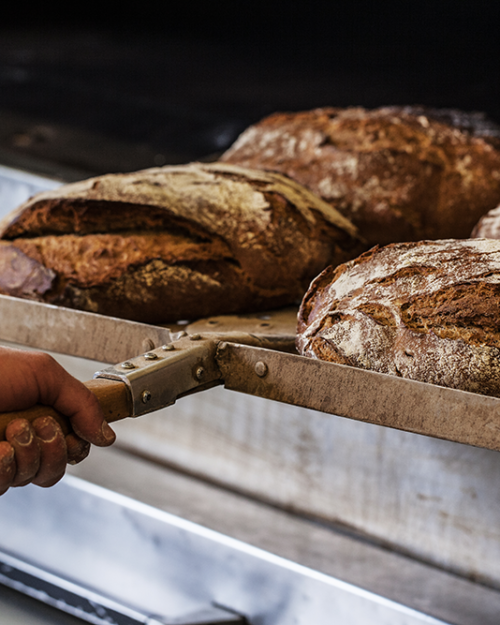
(170, 243)
(398, 173)
(427, 311)
(488, 227)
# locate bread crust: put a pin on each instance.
(488, 227)
(398, 173)
(427, 311)
(173, 242)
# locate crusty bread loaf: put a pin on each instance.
(427, 311)
(172, 243)
(488, 227)
(398, 173)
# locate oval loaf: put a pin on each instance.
(172, 243)
(488, 227)
(398, 173)
(428, 311)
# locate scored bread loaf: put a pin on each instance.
(398, 173)
(427, 311)
(488, 227)
(172, 243)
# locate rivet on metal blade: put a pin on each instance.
(150, 356)
(260, 368)
(146, 396)
(127, 365)
(200, 372)
(168, 347)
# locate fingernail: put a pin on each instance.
(25, 436)
(78, 449)
(8, 458)
(107, 432)
(47, 432)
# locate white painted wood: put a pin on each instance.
(433, 499)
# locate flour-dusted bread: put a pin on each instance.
(172, 243)
(427, 311)
(488, 227)
(398, 173)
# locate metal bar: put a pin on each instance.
(386, 400)
(65, 595)
(91, 606)
(76, 332)
(209, 616)
(362, 395)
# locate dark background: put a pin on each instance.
(86, 91)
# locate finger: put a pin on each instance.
(78, 449)
(89, 425)
(72, 398)
(88, 420)
(7, 466)
(53, 454)
(21, 436)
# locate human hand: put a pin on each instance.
(38, 452)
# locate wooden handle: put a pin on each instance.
(113, 396)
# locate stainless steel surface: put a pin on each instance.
(161, 564)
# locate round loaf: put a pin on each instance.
(427, 311)
(398, 173)
(172, 243)
(488, 227)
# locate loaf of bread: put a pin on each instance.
(427, 311)
(488, 227)
(398, 173)
(172, 243)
